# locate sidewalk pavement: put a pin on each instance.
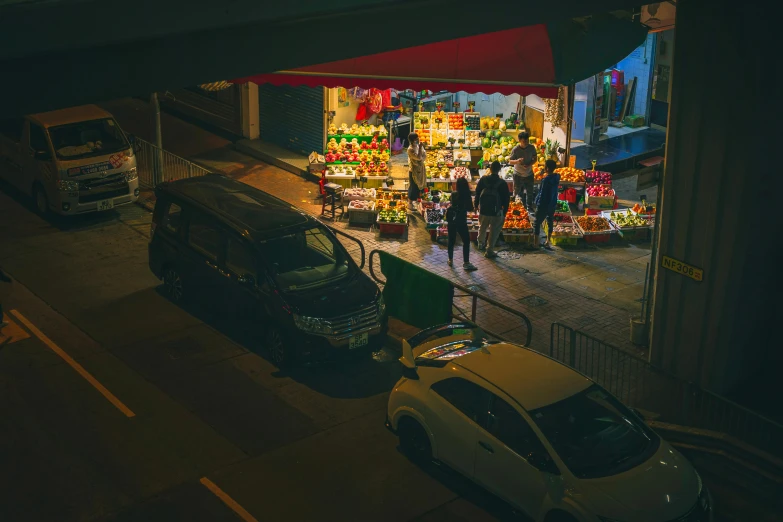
(596, 289)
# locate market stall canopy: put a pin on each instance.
(526, 60)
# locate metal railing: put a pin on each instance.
(156, 165)
(641, 385)
(476, 300)
(354, 239)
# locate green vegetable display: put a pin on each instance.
(627, 219)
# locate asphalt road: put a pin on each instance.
(206, 408)
(120, 406)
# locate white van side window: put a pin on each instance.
(38, 141)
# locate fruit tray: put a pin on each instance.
(608, 232)
(607, 214)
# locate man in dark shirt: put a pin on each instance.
(492, 199)
(522, 157)
(546, 203)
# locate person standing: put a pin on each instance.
(522, 157)
(5, 290)
(417, 174)
(457, 219)
(546, 203)
(492, 199)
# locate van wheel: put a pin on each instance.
(414, 441)
(40, 200)
(278, 349)
(172, 283)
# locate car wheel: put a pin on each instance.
(40, 200)
(172, 283)
(278, 349)
(414, 441)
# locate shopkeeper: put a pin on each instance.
(417, 175)
(523, 156)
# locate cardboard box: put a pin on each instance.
(634, 120)
(317, 163)
(600, 202)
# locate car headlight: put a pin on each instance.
(131, 174)
(312, 324)
(381, 306)
(66, 185)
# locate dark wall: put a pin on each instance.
(717, 199)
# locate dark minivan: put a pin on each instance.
(257, 257)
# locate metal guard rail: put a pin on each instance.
(355, 240)
(476, 296)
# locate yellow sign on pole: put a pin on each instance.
(572, 161)
(697, 274)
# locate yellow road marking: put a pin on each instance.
(73, 364)
(12, 333)
(230, 502)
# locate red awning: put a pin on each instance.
(515, 61)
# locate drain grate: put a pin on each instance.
(532, 301)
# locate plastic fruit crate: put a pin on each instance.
(565, 240)
(598, 238)
(361, 217)
(393, 229)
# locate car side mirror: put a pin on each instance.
(135, 145)
(42, 155)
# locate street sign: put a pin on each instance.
(697, 274)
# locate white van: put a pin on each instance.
(71, 161)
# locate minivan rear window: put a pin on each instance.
(308, 258)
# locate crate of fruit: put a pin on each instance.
(563, 207)
(393, 222)
(564, 234)
(359, 194)
(595, 229)
(625, 220)
(361, 212)
(562, 219)
(596, 177)
(600, 197)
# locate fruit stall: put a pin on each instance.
(355, 152)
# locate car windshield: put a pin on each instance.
(594, 434)
(309, 258)
(86, 139)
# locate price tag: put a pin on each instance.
(441, 144)
(516, 213)
(438, 121)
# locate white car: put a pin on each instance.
(536, 433)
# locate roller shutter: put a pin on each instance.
(221, 109)
(292, 117)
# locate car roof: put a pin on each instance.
(69, 115)
(251, 211)
(530, 378)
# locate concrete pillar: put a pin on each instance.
(721, 188)
(249, 102)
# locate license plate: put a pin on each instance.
(106, 204)
(358, 341)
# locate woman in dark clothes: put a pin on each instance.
(546, 203)
(457, 219)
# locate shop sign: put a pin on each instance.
(697, 274)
